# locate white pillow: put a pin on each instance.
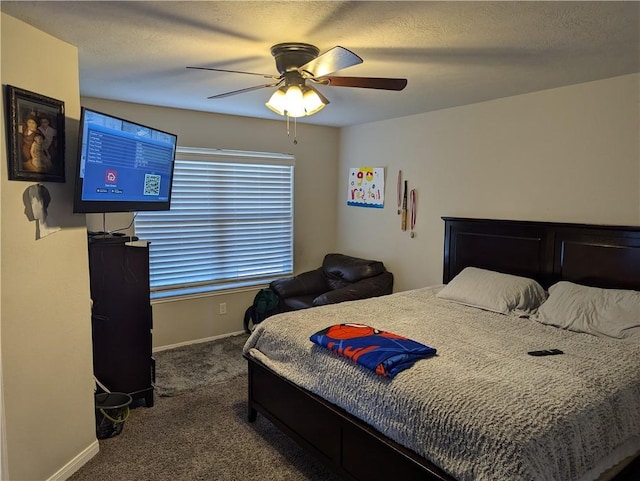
(494, 291)
(601, 312)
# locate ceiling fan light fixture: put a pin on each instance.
(294, 106)
(293, 101)
(313, 103)
(277, 101)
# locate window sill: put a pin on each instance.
(180, 294)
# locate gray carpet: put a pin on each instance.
(201, 432)
(189, 367)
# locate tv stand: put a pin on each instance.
(121, 319)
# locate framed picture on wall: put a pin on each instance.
(35, 130)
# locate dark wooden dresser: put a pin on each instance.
(121, 318)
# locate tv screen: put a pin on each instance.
(122, 166)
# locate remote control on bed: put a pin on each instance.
(546, 352)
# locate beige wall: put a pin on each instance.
(177, 322)
(45, 315)
(569, 154)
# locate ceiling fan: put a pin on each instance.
(298, 63)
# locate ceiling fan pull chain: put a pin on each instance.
(295, 129)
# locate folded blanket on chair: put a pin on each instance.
(383, 352)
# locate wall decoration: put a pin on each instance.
(413, 210)
(366, 187)
(36, 200)
(399, 192)
(403, 211)
(35, 130)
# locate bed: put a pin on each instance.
(482, 409)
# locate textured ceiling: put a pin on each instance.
(452, 53)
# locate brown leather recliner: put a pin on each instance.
(341, 278)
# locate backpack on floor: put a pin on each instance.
(265, 304)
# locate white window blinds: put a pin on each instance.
(230, 223)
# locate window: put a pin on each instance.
(230, 223)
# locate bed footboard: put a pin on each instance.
(351, 448)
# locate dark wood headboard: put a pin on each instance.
(595, 255)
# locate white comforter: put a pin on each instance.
(482, 409)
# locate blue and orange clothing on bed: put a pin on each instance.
(383, 352)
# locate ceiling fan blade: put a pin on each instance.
(363, 82)
(236, 71)
(241, 91)
(331, 61)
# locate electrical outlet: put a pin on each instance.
(223, 308)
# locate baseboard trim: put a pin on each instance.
(76, 463)
(196, 341)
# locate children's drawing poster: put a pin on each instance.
(366, 187)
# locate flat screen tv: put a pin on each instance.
(122, 166)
